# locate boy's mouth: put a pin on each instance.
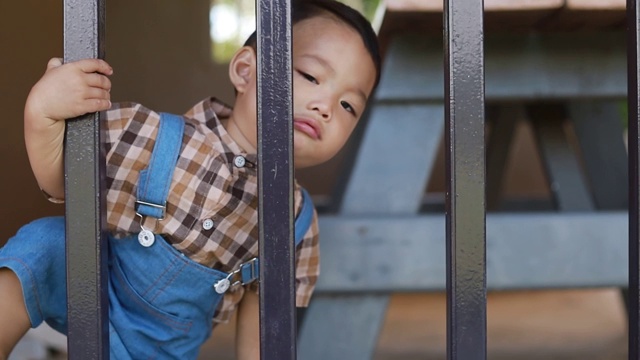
(307, 126)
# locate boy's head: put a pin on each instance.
(306, 9)
(336, 66)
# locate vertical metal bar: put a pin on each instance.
(275, 180)
(465, 162)
(87, 305)
(633, 68)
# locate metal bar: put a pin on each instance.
(633, 72)
(87, 306)
(275, 180)
(465, 163)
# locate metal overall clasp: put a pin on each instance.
(146, 237)
(235, 277)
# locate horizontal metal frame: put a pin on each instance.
(537, 250)
(522, 67)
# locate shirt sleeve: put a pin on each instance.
(129, 136)
(307, 264)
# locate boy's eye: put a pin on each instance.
(348, 107)
(309, 77)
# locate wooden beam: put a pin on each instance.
(587, 15)
(508, 15)
(489, 5)
(596, 5)
(517, 67)
(524, 251)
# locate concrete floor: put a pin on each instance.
(523, 325)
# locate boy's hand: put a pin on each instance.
(69, 90)
(64, 92)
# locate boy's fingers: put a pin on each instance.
(95, 65)
(98, 81)
(53, 63)
(92, 105)
(101, 104)
(97, 93)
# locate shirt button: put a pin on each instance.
(207, 224)
(239, 161)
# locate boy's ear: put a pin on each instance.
(242, 68)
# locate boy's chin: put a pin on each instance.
(301, 162)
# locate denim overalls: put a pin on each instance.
(161, 303)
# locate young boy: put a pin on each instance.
(168, 264)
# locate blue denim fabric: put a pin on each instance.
(155, 180)
(161, 303)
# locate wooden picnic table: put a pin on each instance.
(559, 66)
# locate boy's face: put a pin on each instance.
(333, 76)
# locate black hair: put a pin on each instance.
(307, 9)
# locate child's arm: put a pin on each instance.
(248, 327)
(64, 92)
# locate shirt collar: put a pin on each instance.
(209, 112)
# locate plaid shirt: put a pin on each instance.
(206, 186)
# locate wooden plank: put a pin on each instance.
(527, 250)
(402, 16)
(429, 20)
(499, 14)
(517, 68)
(596, 4)
(503, 120)
(564, 176)
(599, 131)
(489, 5)
(587, 15)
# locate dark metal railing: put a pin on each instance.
(275, 180)
(465, 163)
(633, 66)
(87, 307)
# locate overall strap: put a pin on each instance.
(304, 218)
(155, 180)
(250, 270)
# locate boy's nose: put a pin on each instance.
(323, 108)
